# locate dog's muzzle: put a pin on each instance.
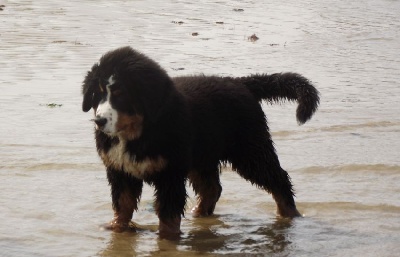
(106, 124)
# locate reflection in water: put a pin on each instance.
(205, 236)
(209, 236)
(278, 237)
(121, 244)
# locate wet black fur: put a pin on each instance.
(197, 123)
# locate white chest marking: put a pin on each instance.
(118, 158)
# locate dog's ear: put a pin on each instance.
(87, 101)
(88, 88)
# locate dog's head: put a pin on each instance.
(126, 89)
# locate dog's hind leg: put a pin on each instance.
(259, 164)
(207, 186)
(125, 192)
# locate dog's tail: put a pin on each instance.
(285, 86)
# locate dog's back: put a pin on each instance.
(223, 112)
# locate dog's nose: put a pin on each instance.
(100, 122)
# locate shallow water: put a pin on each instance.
(344, 163)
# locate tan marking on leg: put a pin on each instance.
(122, 217)
(208, 192)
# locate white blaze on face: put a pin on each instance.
(106, 111)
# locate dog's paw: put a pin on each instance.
(289, 212)
(198, 212)
(201, 211)
(170, 229)
(115, 226)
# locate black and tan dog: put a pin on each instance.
(162, 130)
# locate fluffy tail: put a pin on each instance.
(285, 86)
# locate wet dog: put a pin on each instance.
(164, 131)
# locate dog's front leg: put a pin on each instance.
(125, 192)
(170, 205)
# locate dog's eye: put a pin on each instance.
(116, 92)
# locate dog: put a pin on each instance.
(166, 131)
